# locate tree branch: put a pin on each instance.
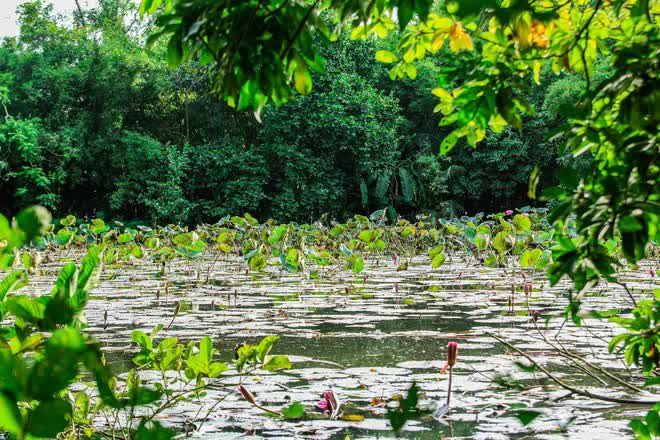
(571, 388)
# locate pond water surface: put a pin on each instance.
(369, 336)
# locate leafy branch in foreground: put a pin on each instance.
(43, 352)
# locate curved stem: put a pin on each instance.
(571, 388)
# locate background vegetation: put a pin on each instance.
(96, 124)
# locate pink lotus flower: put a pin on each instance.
(329, 402)
(509, 212)
(323, 405)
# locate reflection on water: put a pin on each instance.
(369, 338)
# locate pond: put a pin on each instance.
(367, 337)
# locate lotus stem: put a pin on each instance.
(449, 386)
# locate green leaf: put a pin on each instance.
(530, 257)
(436, 250)
(358, 264)
(481, 241)
(124, 238)
(13, 281)
(216, 369)
(640, 429)
(522, 223)
(385, 56)
(503, 242)
(206, 349)
(141, 338)
(438, 260)
(405, 13)
(277, 234)
(49, 418)
(294, 411)
(277, 362)
(629, 223)
(364, 193)
(69, 220)
(10, 417)
(448, 143)
(302, 79)
(527, 416)
(382, 185)
(367, 236)
(33, 221)
(534, 179)
(407, 186)
(265, 346)
(527, 368)
(153, 430)
(406, 410)
(175, 51)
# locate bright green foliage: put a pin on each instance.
(649, 427)
(641, 342)
(42, 352)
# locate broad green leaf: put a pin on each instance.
(49, 418)
(265, 346)
(385, 56)
(521, 223)
(438, 260)
(278, 362)
(10, 417)
(302, 79)
(13, 281)
(294, 411)
(358, 263)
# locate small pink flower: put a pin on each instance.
(509, 212)
(322, 405)
(329, 402)
(524, 214)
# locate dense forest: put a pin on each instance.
(96, 124)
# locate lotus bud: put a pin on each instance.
(328, 402)
(329, 396)
(452, 353)
(246, 394)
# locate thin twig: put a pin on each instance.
(568, 387)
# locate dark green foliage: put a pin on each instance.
(406, 410)
(102, 127)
